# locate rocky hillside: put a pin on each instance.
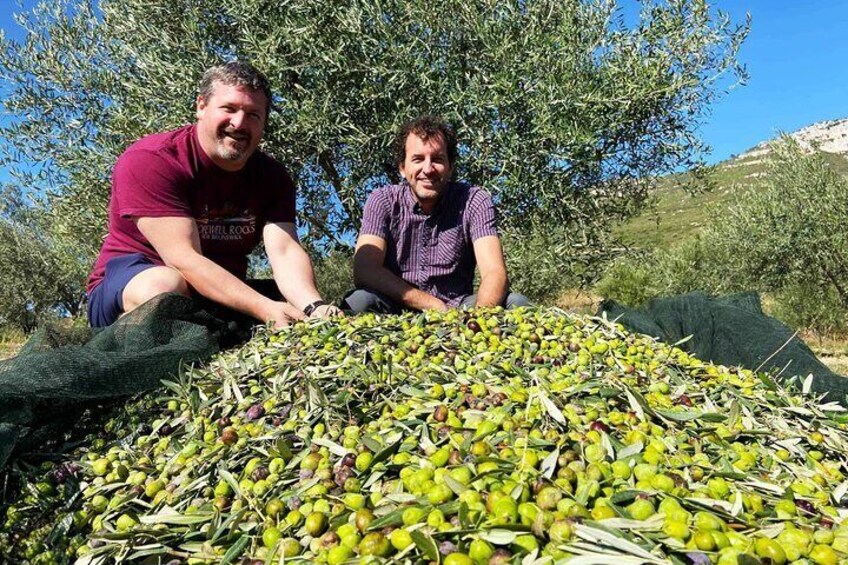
(829, 136)
(678, 215)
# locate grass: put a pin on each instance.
(832, 350)
(675, 215)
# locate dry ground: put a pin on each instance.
(831, 350)
(10, 342)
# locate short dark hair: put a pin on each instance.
(235, 73)
(424, 127)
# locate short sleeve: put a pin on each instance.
(148, 184)
(282, 205)
(375, 216)
(482, 219)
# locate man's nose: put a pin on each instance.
(237, 119)
(427, 166)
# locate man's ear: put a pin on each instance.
(200, 105)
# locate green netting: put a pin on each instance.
(730, 330)
(62, 372)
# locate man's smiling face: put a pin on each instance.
(426, 168)
(230, 124)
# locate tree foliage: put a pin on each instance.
(564, 110)
(42, 274)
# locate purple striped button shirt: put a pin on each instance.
(432, 252)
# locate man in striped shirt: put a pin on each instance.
(421, 239)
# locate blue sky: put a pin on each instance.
(796, 56)
(797, 59)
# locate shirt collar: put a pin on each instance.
(413, 204)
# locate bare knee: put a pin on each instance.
(153, 282)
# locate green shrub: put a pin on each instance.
(805, 306)
(544, 259)
(686, 267)
(629, 280)
(787, 240)
(40, 275)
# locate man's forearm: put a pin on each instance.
(492, 291)
(295, 277)
(219, 285)
(386, 282)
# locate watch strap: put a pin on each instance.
(310, 308)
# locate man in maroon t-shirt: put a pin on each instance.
(187, 207)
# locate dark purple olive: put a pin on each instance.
(599, 426)
(255, 412)
(342, 475)
(349, 460)
(500, 557)
(259, 474)
(805, 506)
(697, 558)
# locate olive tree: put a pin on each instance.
(564, 110)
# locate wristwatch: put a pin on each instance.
(310, 308)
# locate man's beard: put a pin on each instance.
(230, 153)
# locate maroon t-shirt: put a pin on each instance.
(169, 175)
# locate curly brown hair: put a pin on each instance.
(424, 127)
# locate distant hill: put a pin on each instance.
(677, 215)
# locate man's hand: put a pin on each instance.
(436, 304)
(326, 311)
(282, 314)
